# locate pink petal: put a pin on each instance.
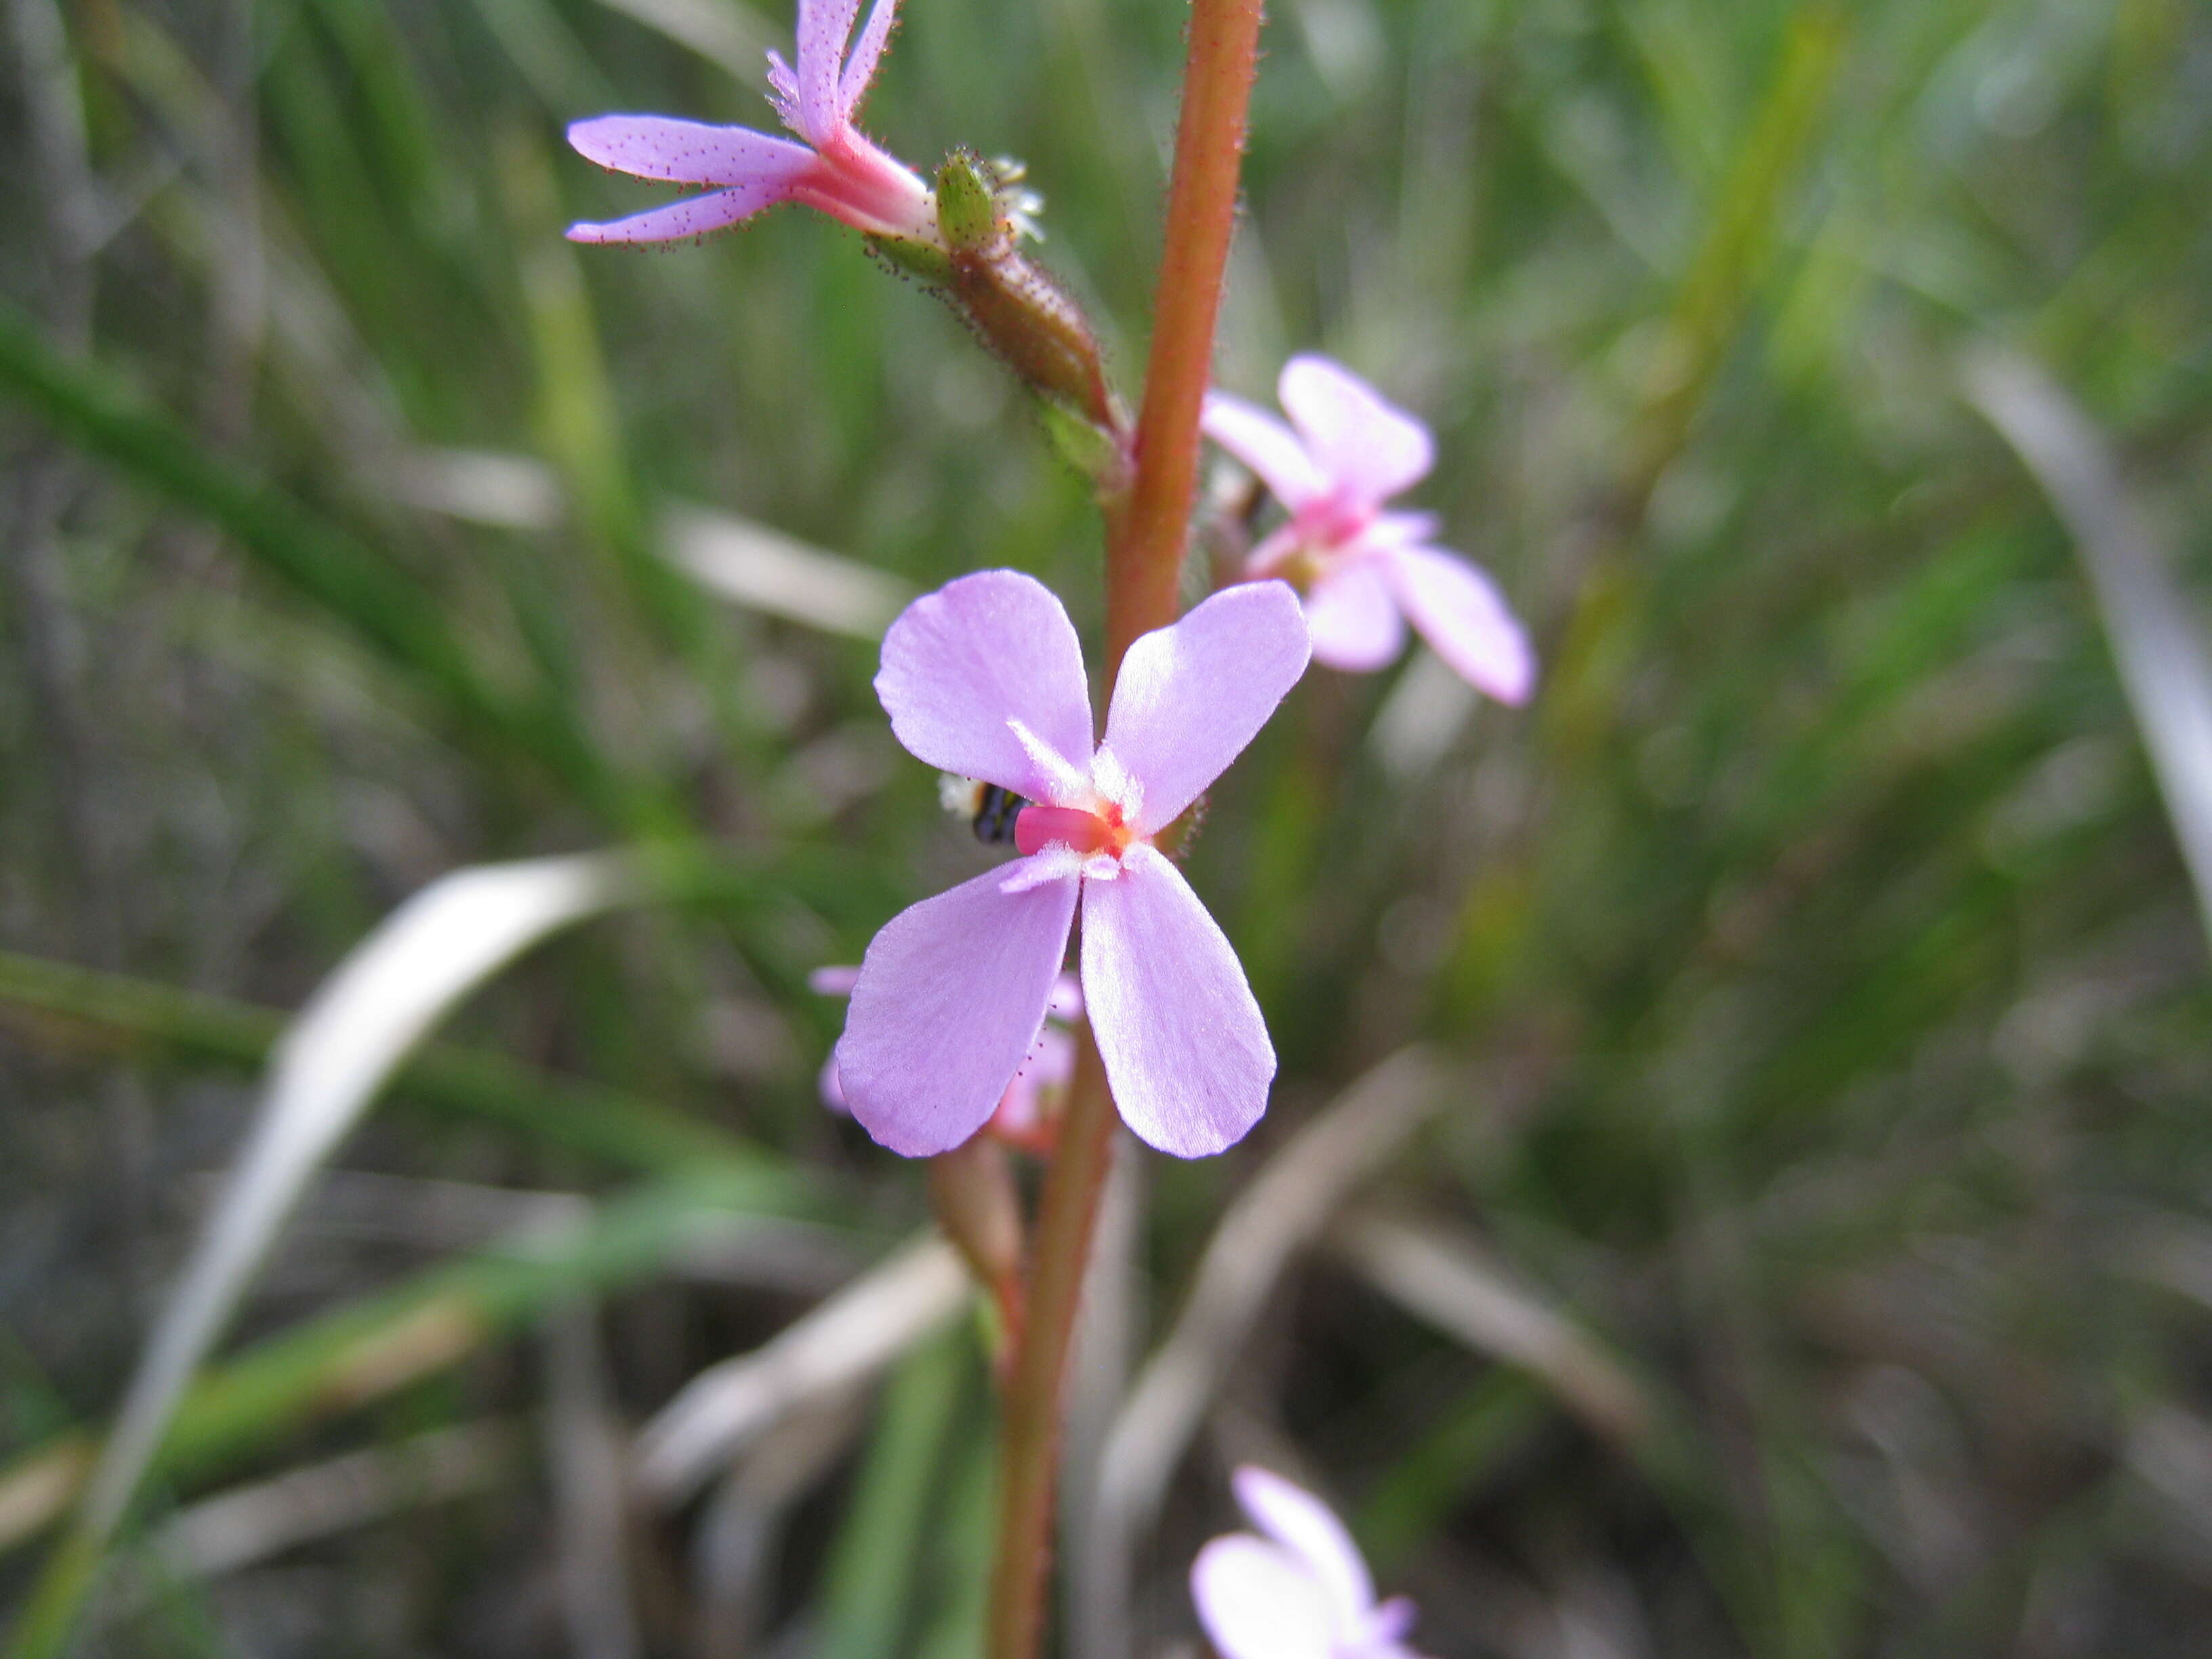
(1052, 1062)
(1309, 1530)
(687, 152)
(1463, 617)
(1192, 695)
(695, 215)
(950, 998)
(959, 663)
(1397, 529)
(867, 51)
(1067, 998)
(833, 982)
(1264, 444)
(1049, 1065)
(824, 25)
(1055, 861)
(1366, 445)
(1185, 1047)
(783, 91)
(1019, 1111)
(1255, 1602)
(1354, 619)
(836, 981)
(1392, 1622)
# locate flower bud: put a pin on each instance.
(971, 1189)
(1014, 305)
(968, 214)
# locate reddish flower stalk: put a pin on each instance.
(1144, 564)
(1144, 552)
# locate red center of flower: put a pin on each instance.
(1102, 832)
(1336, 518)
(852, 181)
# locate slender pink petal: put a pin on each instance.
(1051, 863)
(1264, 444)
(1367, 446)
(1185, 1047)
(1049, 1065)
(1393, 1621)
(1354, 619)
(783, 92)
(959, 663)
(833, 982)
(1257, 1603)
(823, 27)
(1019, 1110)
(1309, 1530)
(687, 152)
(695, 215)
(836, 981)
(1463, 617)
(1058, 779)
(867, 51)
(1067, 998)
(950, 998)
(1192, 695)
(1052, 1062)
(1397, 529)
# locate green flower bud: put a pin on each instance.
(967, 213)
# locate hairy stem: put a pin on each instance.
(1145, 546)
(1145, 534)
(1030, 1448)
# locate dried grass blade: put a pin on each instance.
(1450, 1281)
(1286, 1206)
(848, 1337)
(382, 1000)
(2155, 633)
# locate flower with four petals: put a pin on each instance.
(985, 679)
(1365, 572)
(842, 174)
(1300, 1592)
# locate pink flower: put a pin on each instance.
(843, 174)
(1027, 1113)
(985, 679)
(1302, 1592)
(1364, 572)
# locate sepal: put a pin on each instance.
(1099, 454)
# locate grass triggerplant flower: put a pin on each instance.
(842, 174)
(1300, 1592)
(985, 679)
(1365, 572)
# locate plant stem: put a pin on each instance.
(1144, 552)
(1029, 1463)
(1146, 536)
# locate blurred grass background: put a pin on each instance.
(1824, 998)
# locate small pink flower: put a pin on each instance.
(1026, 1113)
(985, 679)
(1364, 572)
(843, 173)
(1302, 1592)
